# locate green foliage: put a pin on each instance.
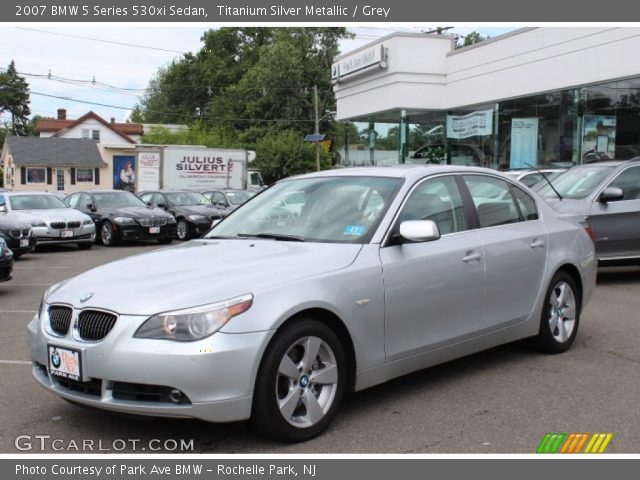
(14, 98)
(285, 153)
(471, 39)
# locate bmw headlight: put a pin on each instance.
(124, 220)
(197, 218)
(194, 323)
(38, 223)
(88, 221)
(171, 219)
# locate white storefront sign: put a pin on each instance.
(148, 171)
(524, 142)
(472, 124)
(358, 61)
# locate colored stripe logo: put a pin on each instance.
(574, 443)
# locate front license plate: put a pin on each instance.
(65, 363)
(24, 242)
(66, 233)
(154, 229)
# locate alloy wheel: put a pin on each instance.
(106, 234)
(307, 382)
(562, 312)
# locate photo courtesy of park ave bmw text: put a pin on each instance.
(319, 239)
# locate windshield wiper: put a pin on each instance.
(547, 180)
(273, 236)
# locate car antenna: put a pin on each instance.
(546, 179)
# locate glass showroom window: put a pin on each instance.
(470, 136)
(36, 175)
(84, 175)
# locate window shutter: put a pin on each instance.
(49, 175)
(23, 176)
(96, 176)
(73, 176)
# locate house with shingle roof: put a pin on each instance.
(54, 164)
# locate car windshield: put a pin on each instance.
(330, 209)
(117, 200)
(184, 199)
(239, 197)
(35, 202)
(577, 182)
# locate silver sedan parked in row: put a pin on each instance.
(607, 196)
(51, 220)
(384, 271)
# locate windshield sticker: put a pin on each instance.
(357, 230)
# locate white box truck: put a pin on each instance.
(195, 168)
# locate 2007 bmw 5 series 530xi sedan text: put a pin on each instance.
(278, 312)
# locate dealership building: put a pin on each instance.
(543, 96)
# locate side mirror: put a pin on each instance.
(223, 204)
(162, 205)
(3, 208)
(91, 207)
(611, 194)
(419, 230)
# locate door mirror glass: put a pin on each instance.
(611, 194)
(419, 230)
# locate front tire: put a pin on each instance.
(183, 230)
(301, 382)
(560, 315)
(108, 235)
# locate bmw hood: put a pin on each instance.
(206, 210)
(200, 272)
(49, 215)
(135, 212)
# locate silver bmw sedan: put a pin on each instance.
(276, 313)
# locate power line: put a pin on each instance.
(183, 115)
(81, 37)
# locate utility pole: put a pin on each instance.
(317, 131)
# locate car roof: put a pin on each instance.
(397, 171)
(14, 194)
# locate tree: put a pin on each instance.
(470, 39)
(14, 98)
(285, 153)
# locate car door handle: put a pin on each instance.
(471, 256)
(537, 243)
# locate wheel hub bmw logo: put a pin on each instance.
(86, 297)
(55, 359)
(304, 381)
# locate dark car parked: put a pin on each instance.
(120, 215)
(6, 261)
(193, 212)
(607, 195)
(17, 235)
(228, 200)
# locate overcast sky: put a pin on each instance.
(67, 56)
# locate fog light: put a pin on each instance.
(176, 396)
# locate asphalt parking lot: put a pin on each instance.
(500, 401)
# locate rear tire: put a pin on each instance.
(560, 315)
(301, 382)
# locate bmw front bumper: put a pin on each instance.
(215, 376)
(54, 236)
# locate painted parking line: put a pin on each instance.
(14, 362)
